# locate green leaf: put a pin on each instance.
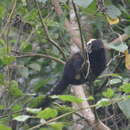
(2, 107)
(47, 113)
(25, 46)
(4, 51)
(8, 59)
(16, 108)
(2, 42)
(33, 110)
(127, 30)
(14, 90)
(3, 127)
(23, 71)
(83, 3)
(125, 107)
(22, 118)
(45, 129)
(36, 101)
(2, 9)
(121, 47)
(113, 11)
(1, 78)
(115, 81)
(35, 66)
(103, 103)
(109, 93)
(38, 84)
(57, 125)
(112, 75)
(125, 88)
(24, 2)
(90, 98)
(91, 9)
(70, 98)
(43, 1)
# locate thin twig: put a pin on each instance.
(47, 33)
(73, 111)
(41, 55)
(86, 59)
(63, 115)
(79, 24)
(9, 18)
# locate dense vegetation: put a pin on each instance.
(34, 45)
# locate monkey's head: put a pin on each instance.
(94, 45)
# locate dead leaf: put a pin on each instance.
(127, 60)
(112, 21)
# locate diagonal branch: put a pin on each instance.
(47, 33)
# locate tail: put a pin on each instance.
(57, 90)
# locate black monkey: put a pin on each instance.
(75, 71)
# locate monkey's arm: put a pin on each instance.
(70, 75)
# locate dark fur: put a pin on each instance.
(73, 68)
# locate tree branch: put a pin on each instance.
(47, 33)
(41, 55)
(87, 113)
(9, 18)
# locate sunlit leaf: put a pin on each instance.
(90, 98)
(2, 9)
(121, 47)
(103, 103)
(125, 88)
(3, 127)
(33, 110)
(57, 125)
(112, 75)
(22, 118)
(47, 113)
(83, 3)
(8, 59)
(24, 2)
(115, 81)
(4, 51)
(16, 108)
(2, 42)
(43, 1)
(70, 98)
(2, 107)
(109, 93)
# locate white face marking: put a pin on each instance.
(88, 47)
(90, 41)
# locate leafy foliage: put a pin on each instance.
(69, 98)
(47, 113)
(26, 77)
